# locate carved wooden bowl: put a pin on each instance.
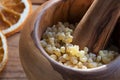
(37, 63)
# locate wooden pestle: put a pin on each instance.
(97, 24)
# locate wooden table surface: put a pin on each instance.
(13, 69)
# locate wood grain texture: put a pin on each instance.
(96, 27)
(38, 1)
(13, 69)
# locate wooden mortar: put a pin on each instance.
(37, 63)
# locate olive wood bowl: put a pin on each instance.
(37, 63)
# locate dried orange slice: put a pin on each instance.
(13, 14)
(3, 51)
